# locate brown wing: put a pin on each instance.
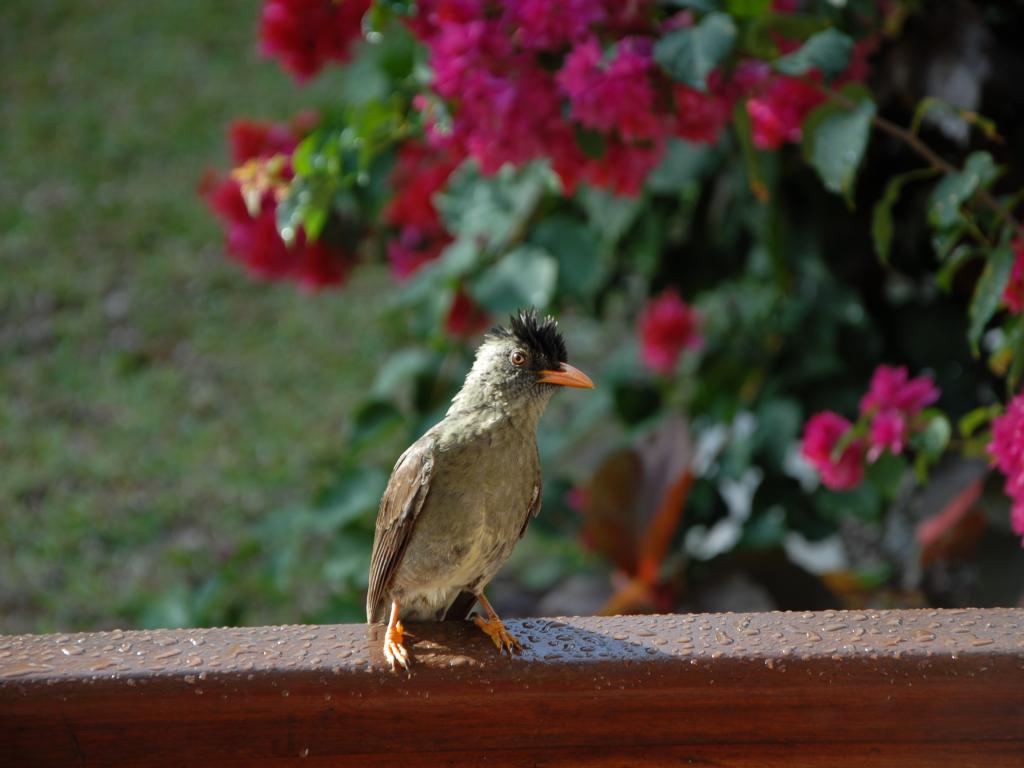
(538, 491)
(402, 501)
(534, 510)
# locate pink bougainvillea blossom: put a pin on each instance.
(888, 433)
(700, 117)
(306, 34)
(891, 388)
(551, 24)
(1007, 452)
(465, 317)
(420, 172)
(667, 326)
(521, 80)
(249, 139)
(263, 151)
(615, 93)
(821, 438)
(778, 110)
(778, 105)
(414, 247)
(890, 404)
(253, 240)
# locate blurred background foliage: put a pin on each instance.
(184, 446)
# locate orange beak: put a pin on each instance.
(566, 376)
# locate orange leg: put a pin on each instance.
(394, 650)
(493, 627)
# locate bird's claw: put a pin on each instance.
(394, 649)
(502, 638)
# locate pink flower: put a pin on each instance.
(888, 433)
(1017, 519)
(253, 241)
(552, 24)
(778, 105)
(623, 167)
(502, 98)
(1013, 294)
(251, 236)
(415, 247)
(667, 326)
(615, 94)
(465, 317)
(1007, 452)
(891, 389)
(420, 172)
(700, 117)
(629, 15)
(306, 34)
(821, 437)
(251, 139)
(778, 110)
(891, 403)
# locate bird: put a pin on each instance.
(462, 495)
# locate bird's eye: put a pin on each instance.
(517, 358)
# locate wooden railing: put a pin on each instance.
(870, 688)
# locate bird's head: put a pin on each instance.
(521, 363)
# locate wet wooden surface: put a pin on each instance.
(871, 688)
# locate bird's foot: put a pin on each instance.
(495, 629)
(394, 649)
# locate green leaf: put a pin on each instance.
(792, 26)
(960, 256)
(704, 6)
(778, 425)
(751, 158)
(957, 187)
(592, 142)
(766, 530)
(886, 474)
(492, 210)
(684, 163)
(863, 502)
(748, 9)
(934, 104)
(582, 263)
(1015, 348)
(645, 246)
(356, 494)
(527, 276)
(835, 139)
(609, 214)
(429, 288)
(288, 216)
(689, 55)
(881, 218)
(933, 439)
(989, 291)
(373, 420)
(974, 420)
(400, 368)
(827, 51)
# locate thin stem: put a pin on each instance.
(923, 151)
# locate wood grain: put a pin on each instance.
(900, 688)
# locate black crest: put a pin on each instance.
(539, 336)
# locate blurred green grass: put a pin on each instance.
(155, 400)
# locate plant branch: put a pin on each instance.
(923, 151)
